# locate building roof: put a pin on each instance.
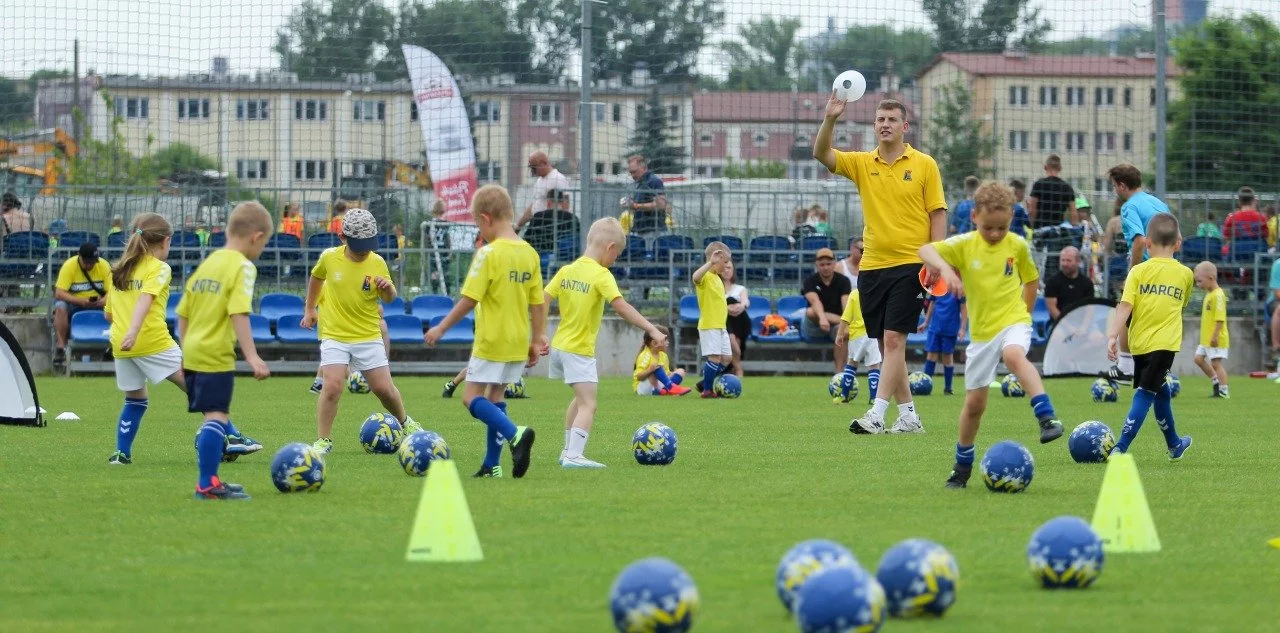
(1018, 65)
(267, 82)
(760, 107)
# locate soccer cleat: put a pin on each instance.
(59, 356)
(120, 459)
(869, 424)
(449, 388)
(411, 426)
(959, 476)
(1217, 391)
(228, 485)
(579, 462)
(1176, 453)
(907, 423)
(317, 386)
(486, 471)
(1113, 373)
(676, 390)
(323, 446)
(948, 392)
(1050, 430)
(1220, 391)
(219, 491)
(241, 445)
(521, 451)
(710, 394)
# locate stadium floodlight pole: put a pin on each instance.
(585, 108)
(1161, 97)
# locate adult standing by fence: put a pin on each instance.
(549, 179)
(1052, 200)
(904, 208)
(649, 203)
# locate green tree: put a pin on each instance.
(553, 28)
(1225, 130)
(15, 102)
(762, 168)
(103, 164)
(1128, 43)
(324, 39)
(956, 140)
(997, 26)
(177, 158)
(472, 37)
(873, 50)
(764, 56)
(652, 139)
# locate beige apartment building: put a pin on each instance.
(1094, 112)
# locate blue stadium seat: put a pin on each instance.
(759, 307)
(769, 256)
(185, 246)
(787, 306)
(115, 245)
(275, 305)
(317, 243)
(171, 308)
(631, 257)
(397, 306)
(404, 328)
(388, 247)
(290, 330)
(261, 328)
(1040, 318)
(1243, 250)
(69, 242)
(689, 312)
(811, 243)
(90, 327)
(282, 257)
(217, 239)
(734, 243)
(1197, 249)
(428, 307)
(758, 321)
(28, 245)
(462, 332)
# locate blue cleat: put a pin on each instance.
(1176, 453)
(220, 491)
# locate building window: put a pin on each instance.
(251, 109)
(310, 169)
(599, 113)
(1048, 96)
(1152, 98)
(842, 139)
(1104, 142)
(1075, 96)
(251, 169)
(1018, 95)
(311, 110)
(599, 168)
(1018, 140)
(369, 110)
(639, 112)
(1128, 142)
(1104, 96)
(1075, 142)
(1101, 184)
(705, 139)
(133, 107)
(802, 140)
(546, 113)
(760, 139)
(615, 168)
(361, 168)
(489, 171)
(1049, 141)
(193, 108)
(617, 113)
(413, 110)
(673, 113)
(1128, 97)
(490, 111)
(1151, 140)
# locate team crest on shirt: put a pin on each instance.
(337, 276)
(365, 285)
(1008, 267)
(906, 176)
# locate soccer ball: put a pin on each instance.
(654, 444)
(833, 388)
(297, 468)
(1011, 387)
(921, 383)
(1007, 467)
(515, 389)
(1065, 553)
(1091, 442)
(1105, 390)
(1175, 385)
(653, 594)
(356, 383)
(727, 386)
(803, 561)
(380, 433)
(919, 577)
(842, 598)
(419, 449)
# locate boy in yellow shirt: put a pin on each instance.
(713, 313)
(862, 350)
(582, 289)
(349, 280)
(504, 287)
(1215, 340)
(213, 316)
(1155, 292)
(1000, 279)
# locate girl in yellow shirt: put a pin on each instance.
(653, 375)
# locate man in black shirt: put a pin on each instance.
(1051, 200)
(827, 294)
(1067, 287)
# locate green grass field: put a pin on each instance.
(89, 547)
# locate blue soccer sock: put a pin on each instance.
(964, 454)
(209, 443)
(1164, 416)
(873, 382)
(130, 419)
(231, 428)
(846, 379)
(709, 372)
(493, 417)
(929, 367)
(1042, 408)
(492, 443)
(661, 375)
(948, 374)
(1142, 401)
(677, 379)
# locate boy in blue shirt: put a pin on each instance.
(944, 323)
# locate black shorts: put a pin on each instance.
(209, 392)
(892, 299)
(1150, 369)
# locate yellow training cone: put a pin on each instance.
(1122, 518)
(1275, 542)
(442, 529)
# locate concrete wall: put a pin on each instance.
(615, 349)
(33, 332)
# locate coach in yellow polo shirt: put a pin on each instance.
(903, 209)
(81, 285)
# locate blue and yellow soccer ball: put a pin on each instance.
(920, 382)
(833, 388)
(919, 577)
(1091, 442)
(803, 561)
(1065, 553)
(654, 444)
(515, 389)
(1105, 390)
(356, 383)
(419, 449)
(840, 598)
(1011, 387)
(727, 386)
(381, 433)
(653, 595)
(297, 468)
(1175, 385)
(1007, 467)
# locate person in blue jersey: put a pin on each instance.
(944, 325)
(1136, 210)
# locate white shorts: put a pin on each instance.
(133, 373)
(574, 368)
(715, 343)
(645, 388)
(981, 358)
(356, 356)
(1212, 353)
(864, 351)
(492, 372)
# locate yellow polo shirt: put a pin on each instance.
(897, 201)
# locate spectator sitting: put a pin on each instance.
(81, 285)
(1245, 222)
(339, 211)
(827, 294)
(1067, 287)
(800, 227)
(549, 226)
(849, 267)
(817, 218)
(962, 216)
(117, 225)
(438, 235)
(15, 220)
(1209, 228)
(291, 221)
(1271, 227)
(738, 322)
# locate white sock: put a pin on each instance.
(568, 437)
(880, 407)
(1215, 380)
(1125, 363)
(577, 443)
(907, 408)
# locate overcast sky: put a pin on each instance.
(163, 37)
